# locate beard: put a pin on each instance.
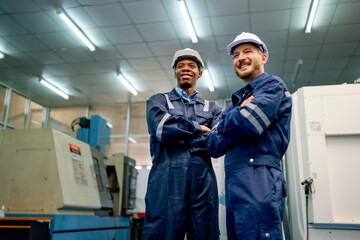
(185, 85)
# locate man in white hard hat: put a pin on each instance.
(253, 132)
(182, 195)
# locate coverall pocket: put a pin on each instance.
(203, 118)
(271, 231)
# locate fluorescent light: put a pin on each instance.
(297, 70)
(132, 140)
(188, 22)
(148, 167)
(314, 5)
(76, 29)
(209, 81)
(54, 89)
(2, 55)
(127, 84)
(109, 125)
(138, 167)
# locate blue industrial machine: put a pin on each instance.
(94, 131)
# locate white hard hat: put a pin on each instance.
(187, 53)
(246, 37)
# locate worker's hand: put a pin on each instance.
(249, 99)
(204, 129)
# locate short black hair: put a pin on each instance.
(190, 58)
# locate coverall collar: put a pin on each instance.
(238, 95)
(174, 95)
(184, 94)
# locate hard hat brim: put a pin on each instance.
(230, 48)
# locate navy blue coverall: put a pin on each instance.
(182, 191)
(254, 138)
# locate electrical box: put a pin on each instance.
(325, 146)
(44, 171)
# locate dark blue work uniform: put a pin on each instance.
(254, 138)
(182, 191)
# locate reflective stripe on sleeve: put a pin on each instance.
(206, 106)
(160, 126)
(287, 94)
(252, 120)
(260, 113)
(169, 102)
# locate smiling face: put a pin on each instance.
(248, 62)
(187, 72)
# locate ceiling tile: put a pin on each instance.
(75, 55)
(7, 48)
(303, 52)
(26, 43)
(272, 67)
(197, 9)
(106, 53)
(354, 63)
(116, 66)
(80, 17)
(156, 31)
(144, 64)
(276, 54)
(60, 41)
(298, 18)
(203, 28)
(329, 63)
(153, 75)
(270, 21)
(172, 10)
(223, 41)
(343, 33)
(46, 57)
(266, 6)
(326, 77)
(97, 38)
(207, 46)
(95, 1)
(307, 66)
(108, 15)
(347, 13)
(323, 17)
(300, 38)
(51, 5)
(145, 11)
(227, 7)
(180, 29)
(14, 6)
(122, 34)
(43, 22)
(136, 50)
(162, 86)
(163, 48)
(349, 76)
(165, 62)
(13, 74)
(338, 50)
(10, 27)
(233, 24)
(274, 38)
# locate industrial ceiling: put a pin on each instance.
(139, 38)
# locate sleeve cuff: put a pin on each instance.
(197, 128)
